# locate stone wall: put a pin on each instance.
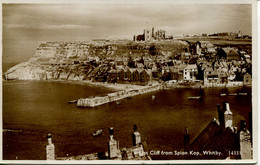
(96, 101)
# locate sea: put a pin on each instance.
(33, 109)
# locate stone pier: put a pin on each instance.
(111, 97)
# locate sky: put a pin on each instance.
(25, 26)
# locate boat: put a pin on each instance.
(72, 101)
(194, 97)
(153, 97)
(232, 94)
(222, 94)
(242, 94)
(98, 132)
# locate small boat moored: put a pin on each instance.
(242, 94)
(193, 98)
(222, 94)
(72, 101)
(98, 132)
(232, 94)
(153, 97)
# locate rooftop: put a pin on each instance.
(191, 66)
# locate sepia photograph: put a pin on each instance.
(126, 82)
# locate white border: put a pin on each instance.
(254, 91)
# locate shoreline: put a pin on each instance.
(114, 87)
(121, 87)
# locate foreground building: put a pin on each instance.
(220, 139)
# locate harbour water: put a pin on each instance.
(32, 109)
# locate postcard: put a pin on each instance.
(129, 81)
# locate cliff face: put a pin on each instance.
(74, 60)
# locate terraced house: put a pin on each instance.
(130, 75)
(190, 72)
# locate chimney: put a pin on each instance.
(113, 148)
(111, 133)
(186, 139)
(50, 149)
(136, 136)
(245, 141)
(228, 117)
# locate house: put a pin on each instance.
(222, 78)
(221, 67)
(185, 56)
(228, 53)
(210, 76)
(176, 74)
(156, 74)
(242, 53)
(247, 79)
(128, 74)
(160, 58)
(190, 72)
(148, 61)
(121, 74)
(203, 47)
(146, 75)
(131, 74)
(247, 58)
(113, 75)
(231, 75)
(136, 75)
(140, 65)
(119, 61)
(220, 138)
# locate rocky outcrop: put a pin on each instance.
(26, 71)
(72, 60)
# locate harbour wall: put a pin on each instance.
(111, 97)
